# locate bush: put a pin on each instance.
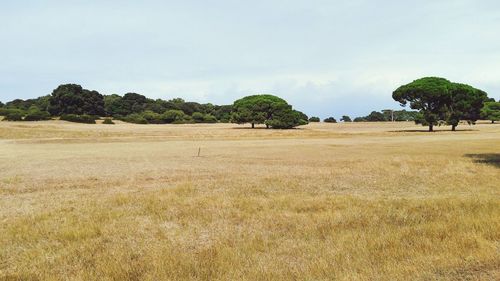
(108, 121)
(6, 111)
(174, 116)
(330, 120)
(198, 117)
(152, 117)
(35, 114)
(135, 118)
(209, 118)
(13, 115)
(314, 119)
(187, 120)
(87, 119)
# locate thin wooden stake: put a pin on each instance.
(199, 150)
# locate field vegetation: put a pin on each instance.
(326, 201)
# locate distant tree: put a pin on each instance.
(207, 108)
(330, 120)
(256, 109)
(404, 115)
(40, 102)
(223, 113)
(466, 103)
(133, 103)
(73, 99)
(113, 105)
(345, 118)
(1, 104)
(375, 116)
(429, 95)
(18, 104)
(190, 107)
(314, 119)
(491, 111)
(359, 119)
(284, 117)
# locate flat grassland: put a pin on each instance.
(357, 201)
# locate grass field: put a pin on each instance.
(352, 201)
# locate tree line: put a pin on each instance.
(71, 102)
(435, 101)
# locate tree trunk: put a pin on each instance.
(267, 126)
(492, 121)
(453, 127)
(253, 125)
(431, 128)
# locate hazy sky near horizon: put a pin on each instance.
(326, 57)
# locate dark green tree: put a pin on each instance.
(223, 113)
(330, 120)
(113, 105)
(256, 109)
(345, 118)
(430, 95)
(491, 111)
(284, 117)
(190, 107)
(73, 99)
(314, 119)
(375, 116)
(465, 103)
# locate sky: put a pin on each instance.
(325, 57)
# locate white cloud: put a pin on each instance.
(326, 57)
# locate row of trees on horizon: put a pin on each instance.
(435, 101)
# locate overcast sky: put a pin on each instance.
(326, 57)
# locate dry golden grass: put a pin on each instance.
(325, 202)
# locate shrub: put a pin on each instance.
(108, 121)
(87, 119)
(314, 119)
(152, 117)
(198, 117)
(35, 114)
(174, 116)
(209, 118)
(6, 111)
(330, 120)
(13, 115)
(135, 118)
